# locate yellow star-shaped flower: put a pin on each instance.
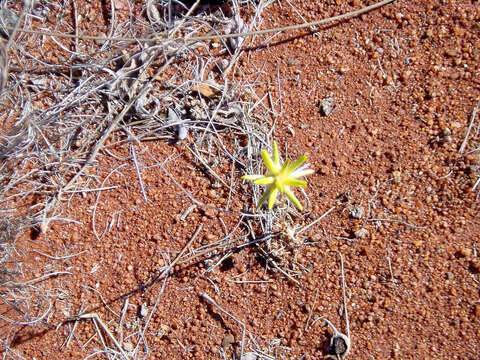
(280, 178)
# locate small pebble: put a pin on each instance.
(465, 252)
(227, 341)
(475, 265)
(357, 212)
(143, 310)
(397, 176)
(339, 346)
(292, 62)
(164, 329)
(327, 106)
(210, 237)
(477, 311)
(451, 52)
(209, 212)
(181, 132)
(446, 132)
(360, 233)
(156, 238)
(399, 17)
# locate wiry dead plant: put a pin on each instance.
(57, 114)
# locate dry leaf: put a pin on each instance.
(206, 90)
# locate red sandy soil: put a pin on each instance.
(405, 81)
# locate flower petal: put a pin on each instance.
(293, 198)
(285, 166)
(295, 182)
(265, 180)
(279, 184)
(300, 173)
(273, 196)
(252, 177)
(298, 162)
(267, 160)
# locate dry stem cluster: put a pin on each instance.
(59, 112)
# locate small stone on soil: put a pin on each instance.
(227, 341)
(397, 176)
(360, 233)
(477, 311)
(327, 105)
(465, 252)
(339, 346)
(357, 212)
(143, 310)
(475, 265)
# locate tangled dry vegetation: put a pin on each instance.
(142, 81)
